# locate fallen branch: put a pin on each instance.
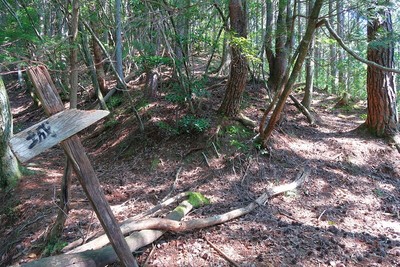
(179, 226)
(102, 240)
(107, 255)
(303, 110)
(185, 226)
(232, 262)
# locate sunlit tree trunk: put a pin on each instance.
(238, 74)
(9, 170)
(308, 90)
(278, 61)
(118, 40)
(332, 54)
(341, 54)
(74, 55)
(382, 117)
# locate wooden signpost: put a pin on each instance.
(47, 133)
(61, 127)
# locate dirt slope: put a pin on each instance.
(347, 214)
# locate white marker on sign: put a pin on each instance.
(47, 133)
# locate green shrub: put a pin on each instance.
(192, 124)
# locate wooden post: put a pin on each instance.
(75, 151)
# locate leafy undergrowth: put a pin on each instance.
(347, 213)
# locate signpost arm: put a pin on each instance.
(87, 177)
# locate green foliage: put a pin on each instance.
(154, 164)
(143, 103)
(110, 123)
(238, 136)
(54, 247)
(247, 48)
(188, 124)
(197, 199)
(168, 129)
(177, 95)
(150, 61)
(115, 101)
(363, 116)
(192, 124)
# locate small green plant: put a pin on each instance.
(54, 247)
(170, 130)
(363, 116)
(239, 145)
(110, 123)
(154, 164)
(143, 103)
(236, 133)
(192, 124)
(115, 101)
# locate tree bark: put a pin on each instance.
(303, 50)
(118, 40)
(238, 74)
(9, 169)
(73, 81)
(308, 89)
(382, 116)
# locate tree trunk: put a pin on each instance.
(9, 169)
(99, 63)
(278, 63)
(308, 90)
(238, 74)
(382, 117)
(74, 55)
(118, 40)
(303, 50)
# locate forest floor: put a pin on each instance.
(346, 214)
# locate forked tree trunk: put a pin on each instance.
(238, 74)
(9, 170)
(382, 117)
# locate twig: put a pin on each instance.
(319, 218)
(216, 151)
(232, 262)
(173, 185)
(205, 157)
(153, 249)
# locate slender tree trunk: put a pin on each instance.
(99, 60)
(238, 74)
(332, 56)
(382, 116)
(308, 90)
(279, 62)
(118, 40)
(341, 55)
(303, 50)
(9, 169)
(74, 55)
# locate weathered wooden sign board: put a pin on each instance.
(47, 133)
(61, 127)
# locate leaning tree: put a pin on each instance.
(9, 169)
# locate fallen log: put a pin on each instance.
(184, 226)
(107, 255)
(102, 239)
